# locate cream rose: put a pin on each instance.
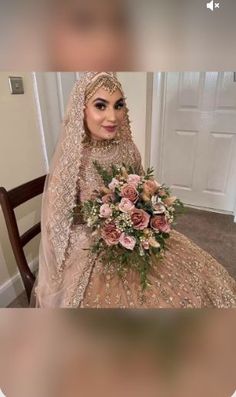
(170, 200)
(153, 242)
(150, 187)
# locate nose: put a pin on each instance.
(111, 115)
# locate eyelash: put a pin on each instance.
(102, 106)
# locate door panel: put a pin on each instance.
(198, 145)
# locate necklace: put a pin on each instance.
(100, 144)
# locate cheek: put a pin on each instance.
(93, 117)
(121, 116)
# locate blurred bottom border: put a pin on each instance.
(66, 353)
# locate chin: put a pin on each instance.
(109, 136)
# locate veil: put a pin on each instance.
(60, 191)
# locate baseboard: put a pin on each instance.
(12, 288)
(209, 209)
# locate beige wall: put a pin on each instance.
(21, 159)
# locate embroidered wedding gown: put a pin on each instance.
(70, 275)
(187, 277)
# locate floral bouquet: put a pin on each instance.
(131, 218)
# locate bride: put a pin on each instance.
(96, 127)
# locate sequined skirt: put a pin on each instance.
(187, 277)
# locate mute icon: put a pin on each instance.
(211, 5)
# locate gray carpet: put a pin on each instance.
(215, 233)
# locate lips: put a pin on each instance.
(110, 128)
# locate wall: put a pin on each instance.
(21, 159)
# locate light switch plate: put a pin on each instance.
(16, 85)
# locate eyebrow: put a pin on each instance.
(105, 101)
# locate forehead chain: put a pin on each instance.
(106, 83)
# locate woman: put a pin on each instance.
(96, 127)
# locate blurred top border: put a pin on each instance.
(119, 35)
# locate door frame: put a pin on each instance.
(157, 122)
(39, 98)
(157, 133)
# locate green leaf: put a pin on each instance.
(107, 178)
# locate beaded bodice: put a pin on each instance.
(106, 153)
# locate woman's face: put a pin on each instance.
(104, 113)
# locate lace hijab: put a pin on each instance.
(60, 190)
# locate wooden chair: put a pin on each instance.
(9, 200)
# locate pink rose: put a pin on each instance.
(129, 192)
(126, 205)
(127, 241)
(108, 198)
(160, 224)
(134, 179)
(105, 211)
(113, 184)
(110, 234)
(140, 219)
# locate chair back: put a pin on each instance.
(9, 200)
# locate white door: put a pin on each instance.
(52, 92)
(195, 137)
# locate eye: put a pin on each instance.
(119, 105)
(100, 106)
